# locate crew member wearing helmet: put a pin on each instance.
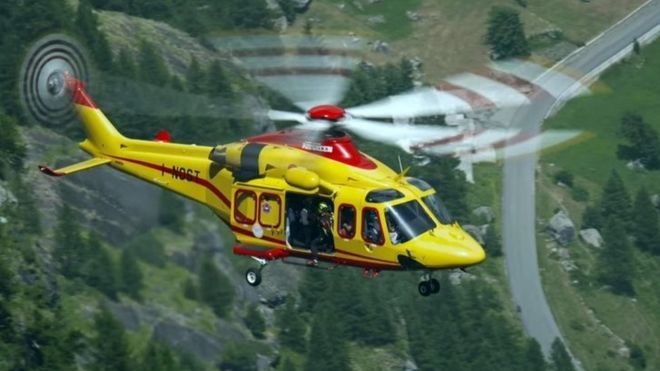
(323, 240)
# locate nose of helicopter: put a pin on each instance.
(468, 252)
(451, 247)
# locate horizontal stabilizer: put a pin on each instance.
(80, 166)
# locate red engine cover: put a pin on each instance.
(326, 112)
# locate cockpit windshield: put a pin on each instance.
(438, 208)
(406, 221)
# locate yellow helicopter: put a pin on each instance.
(285, 195)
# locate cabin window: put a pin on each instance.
(383, 195)
(346, 221)
(270, 207)
(245, 203)
(372, 229)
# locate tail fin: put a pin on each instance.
(102, 136)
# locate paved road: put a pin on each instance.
(519, 216)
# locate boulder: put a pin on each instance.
(413, 16)
(635, 165)
(655, 200)
(561, 228)
(302, 5)
(6, 196)
(381, 47)
(375, 20)
(591, 237)
(456, 277)
(410, 365)
(484, 212)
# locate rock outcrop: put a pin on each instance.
(591, 237)
(561, 228)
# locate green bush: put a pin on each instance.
(580, 194)
(565, 177)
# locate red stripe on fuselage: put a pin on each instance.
(370, 263)
(161, 168)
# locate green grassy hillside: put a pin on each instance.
(448, 36)
(597, 323)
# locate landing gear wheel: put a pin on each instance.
(435, 285)
(253, 276)
(424, 288)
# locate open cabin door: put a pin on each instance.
(257, 213)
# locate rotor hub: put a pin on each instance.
(326, 112)
(55, 83)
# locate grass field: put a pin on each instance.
(594, 320)
(449, 36)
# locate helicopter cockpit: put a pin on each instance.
(407, 219)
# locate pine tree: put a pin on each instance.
(561, 360)
(151, 66)
(326, 349)
(615, 201)
(171, 211)
(6, 275)
(255, 322)
(125, 65)
(637, 357)
(99, 268)
(217, 82)
(289, 9)
(238, 357)
(291, 328)
(12, 150)
(130, 275)
(592, 218)
(615, 264)
(158, 357)
(149, 249)
(190, 290)
(68, 243)
(449, 182)
(27, 215)
(87, 27)
(214, 288)
(110, 344)
(195, 77)
(645, 223)
(505, 34)
(492, 242)
(644, 142)
(534, 359)
(287, 365)
(251, 14)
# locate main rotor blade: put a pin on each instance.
(420, 102)
(402, 135)
(308, 70)
(276, 115)
(492, 144)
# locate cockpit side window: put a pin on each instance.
(438, 209)
(346, 223)
(420, 184)
(372, 229)
(383, 195)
